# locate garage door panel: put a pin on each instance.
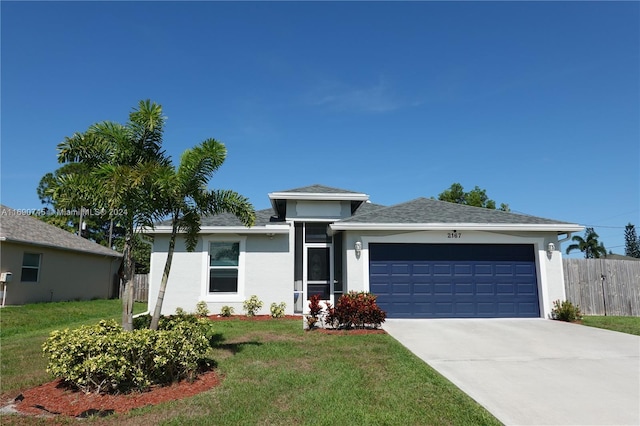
(421, 269)
(483, 269)
(420, 289)
(454, 284)
(464, 269)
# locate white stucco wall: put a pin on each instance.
(548, 268)
(266, 271)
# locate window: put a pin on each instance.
(224, 263)
(30, 267)
(316, 232)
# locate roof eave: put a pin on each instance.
(269, 229)
(318, 196)
(560, 227)
(115, 254)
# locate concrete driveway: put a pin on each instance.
(533, 371)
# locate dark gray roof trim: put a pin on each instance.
(425, 210)
(263, 217)
(319, 189)
(22, 228)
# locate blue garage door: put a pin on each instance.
(454, 280)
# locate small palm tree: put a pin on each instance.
(185, 198)
(589, 245)
(120, 166)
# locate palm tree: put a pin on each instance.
(186, 198)
(122, 164)
(589, 245)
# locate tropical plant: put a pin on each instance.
(202, 310)
(185, 198)
(565, 311)
(589, 245)
(226, 311)
(252, 305)
(278, 309)
(355, 309)
(120, 169)
(315, 309)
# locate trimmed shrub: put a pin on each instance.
(565, 311)
(355, 309)
(103, 358)
(277, 310)
(252, 305)
(226, 311)
(202, 310)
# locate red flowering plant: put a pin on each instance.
(355, 310)
(314, 311)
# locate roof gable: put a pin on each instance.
(21, 228)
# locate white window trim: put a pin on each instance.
(239, 296)
(38, 268)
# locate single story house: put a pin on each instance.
(49, 264)
(423, 258)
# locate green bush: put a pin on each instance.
(277, 310)
(141, 321)
(202, 310)
(252, 305)
(565, 311)
(104, 358)
(226, 311)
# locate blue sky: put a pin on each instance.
(536, 102)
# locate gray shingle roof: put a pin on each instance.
(319, 189)
(424, 210)
(263, 217)
(368, 208)
(25, 229)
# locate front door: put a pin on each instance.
(319, 270)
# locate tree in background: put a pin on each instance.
(99, 228)
(120, 165)
(477, 197)
(589, 245)
(631, 241)
(185, 199)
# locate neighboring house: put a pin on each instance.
(423, 258)
(49, 264)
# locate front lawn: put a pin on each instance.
(629, 325)
(274, 373)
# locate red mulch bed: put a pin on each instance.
(253, 318)
(54, 398)
(350, 332)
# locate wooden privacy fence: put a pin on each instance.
(603, 286)
(140, 287)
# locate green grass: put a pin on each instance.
(274, 373)
(629, 325)
(23, 329)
